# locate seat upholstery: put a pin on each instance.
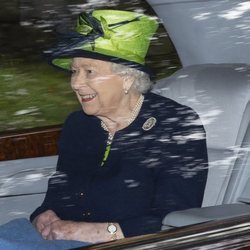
(220, 94)
(205, 214)
(23, 184)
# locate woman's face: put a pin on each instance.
(98, 89)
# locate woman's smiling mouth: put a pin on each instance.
(87, 98)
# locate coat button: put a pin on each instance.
(86, 214)
(80, 195)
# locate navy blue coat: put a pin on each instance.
(148, 173)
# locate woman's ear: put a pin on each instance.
(127, 83)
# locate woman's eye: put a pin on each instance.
(89, 71)
(72, 71)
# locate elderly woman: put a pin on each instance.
(128, 157)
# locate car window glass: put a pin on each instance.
(34, 94)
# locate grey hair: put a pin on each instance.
(142, 82)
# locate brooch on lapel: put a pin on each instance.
(149, 123)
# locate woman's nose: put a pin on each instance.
(78, 82)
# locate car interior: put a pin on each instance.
(214, 81)
(215, 92)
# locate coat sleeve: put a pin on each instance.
(57, 184)
(180, 177)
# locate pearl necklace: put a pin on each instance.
(134, 114)
(136, 110)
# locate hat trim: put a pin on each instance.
(94, 55)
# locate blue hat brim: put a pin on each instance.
(71, 53)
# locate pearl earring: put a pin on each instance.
(125, 91)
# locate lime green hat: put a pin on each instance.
(110, 35)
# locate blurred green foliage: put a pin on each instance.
(34, 95)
